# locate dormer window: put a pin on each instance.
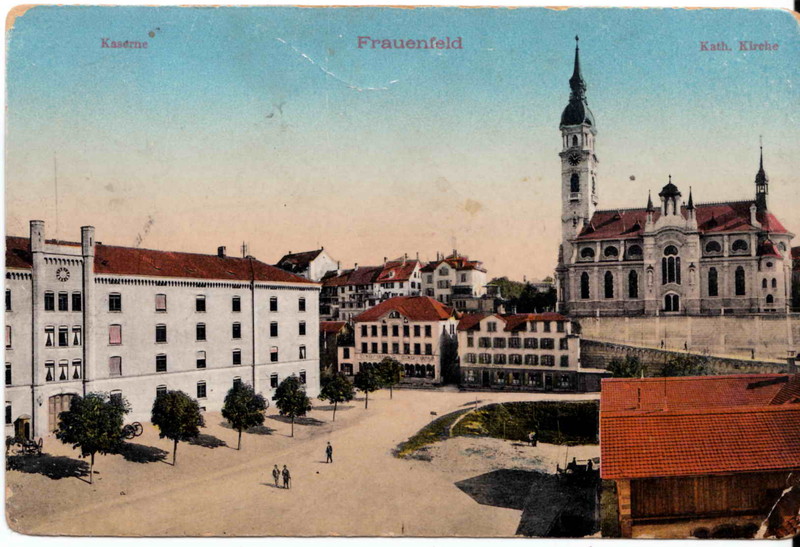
(610, 252)
(713, 247)
(739, 246)
(587, 253)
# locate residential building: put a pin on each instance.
(348, 293)
(527, 352)
(334, 335)
(84, 317)
(687, 449)
(312, 265)
(454, 278)
(674, 257)
(417, 331)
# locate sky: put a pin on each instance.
(271, 125)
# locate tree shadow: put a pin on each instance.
(140, 453)
(338, 408)
(300, 420)
(207, 441)
(255, 430)
(52, 467)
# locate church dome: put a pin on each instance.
(577, 113)
(669, 190)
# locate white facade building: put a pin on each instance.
(446, 279)
(87, 317)
(312, 265)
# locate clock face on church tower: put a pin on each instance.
(574, 159)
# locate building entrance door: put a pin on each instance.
(22, 427)
(487, 381)
(56, 405)
(548, 382)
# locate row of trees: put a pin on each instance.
(94, 423)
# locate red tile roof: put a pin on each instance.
(397, 270)
(656, 427)
(468, 321)
(297, 262)
(711, 218)
(456, 262)
(112, 260)
(414, 308)
(331, 327)
(512, 321)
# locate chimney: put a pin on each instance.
(221, 251)
(384, 260)
(405, 258)
(356, 266)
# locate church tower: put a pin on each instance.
(578, 162)
(762, 185)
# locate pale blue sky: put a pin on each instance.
(222, 131)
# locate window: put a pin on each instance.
(741, 288)
(484, 342)
(200, 332)
(236, 331)
(427, 331)
(8, 300)
(635, 252)
(587, 253)
(384, 347)
(236, 304)
(76, 369)
(575, 183)
(770, 299)
(774, 283)
(546, 325)
(713, 282)
(201, 390)
(8, 374)
(364, 330)
(302, 376)
(77, 301)
(470, 342)
(200, 303)
(671, 266)
(49, 335)
(115, 366)
(273, 381)
(428, 349)
(364, 347)
(273, 329)
(384, 330)
(417, 349)
(633, 284)
(273, 303)
(161, 363)
(302, 354)
(608, 285)
(532, 360)
(346, 353)
(63, 301)
(672, 302)
(200, 359)
(713, 247)
(547, 343)
(49, 301)
(531, 343)
(574, 140)
(50, 367)
(560, 326)
(161, 390)
(273, 354)
(563, 343)
(564, 361)
(236, 357)
(63, 336)
(417, 330)
(395, 330)
(499, 359)
(515, 342)
(491, 327)
(161, 334)
(764, 283)
(395, 348)
(114, 302)
(8, 336)
(515, 359)
(237, 382)
(407, 349)
(161, 305)
(8, 414)
(76, 336)
(374, 330)
(485, 358)
(739, 246)
(374, 347)
(302, 328)
(610, 252)
(301, 304)
(548, 361)
(406, 331)
(115, 396)
(584, 285)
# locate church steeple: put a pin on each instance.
(761, 183)
(576, 83)
(577, 111)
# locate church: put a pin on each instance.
(673, 256)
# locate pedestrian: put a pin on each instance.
(686, 346)
(286, 477)
(329, 453)
(276, 474)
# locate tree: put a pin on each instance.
(337, 389)
(367, 380)
(291, 399)
(243, 408)
(629, 367)
(177, 417)
(93, 423)
(389, 373)
(685, 365)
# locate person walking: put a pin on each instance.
(276, 474)
(329, 453)
(286, 477)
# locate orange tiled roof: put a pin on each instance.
(512, 321)
(414, 308)
(331, 327)
(657, 427)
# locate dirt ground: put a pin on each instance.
(219, 491)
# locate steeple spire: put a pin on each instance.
(650, 207)
(577, 111)
(576, 83)
(761, 182)
(690, 205)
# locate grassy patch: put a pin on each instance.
(435, 431)
(557, 422)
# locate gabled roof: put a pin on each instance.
(331, 327)
(413, 308)
(457, 262)
(469, 321)
(667, 427)
(397, 270)
(113, 260)
(711, 218)
(297, 262)
(512, 321)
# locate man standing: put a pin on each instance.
(329, 453)
(276, 473)
(286, 477)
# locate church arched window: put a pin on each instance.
(713, 247)
(770, 299)
(633, 284)
(774, 283)
(763, 283)
(634, 252)
(713, 282)
(740, 245)
(671, 266)
(610, 252)
(575, 183)
(608, 283)
(584, 285)
(741, 287)
(672, 302)
(587, 253)
(574, 140)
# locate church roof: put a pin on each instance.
(712, 218)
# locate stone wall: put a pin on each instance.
(771, 337)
